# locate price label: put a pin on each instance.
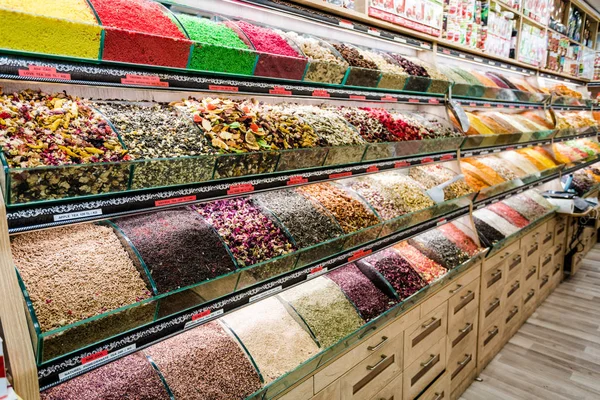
(373, 31)
(426, 160)
(296, 180)
(316, 271)
(446, 157)
(373, 168)
(281, 91)
(401, 164)
(35, 71)
(240, 188)
(359, 254)
(346, 24)
(264, 294)
(484, 152)
(175, 200)
(97, 360)
(425, 46)
(441, 221)
(394, 99)
(222, 88)
(462, 56)
(511, 106)
(77, 215)
(446, 51)
(357, 97)
(94, 357)
(143, 80)
(399, 39)
(433, 101)
(201, 317)
(500, 105)
(477, 59)
(487, 105)
(340, 175)
(468, 154)
(320, 93)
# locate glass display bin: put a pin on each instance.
(362, 72)
(574, 123)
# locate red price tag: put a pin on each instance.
(409, 100)
(531, 107)
(340, 175)
(401, 164)
(522, 107)
(320, 93)
(373, 168)
(426, 160)
(359, 254)
(357, 97)
(511, 106)
(240, 188)
(346, 24)
(509, 148)
(473, 104)
(446, 51)
(280, 91)
(223, 88)
(296, 180)
(500, 105)
(447, 157)
(94, 357)
(200, 315)
(434, 101)
(175, 200)
(35, 71)
(487, 105)
(143, 80)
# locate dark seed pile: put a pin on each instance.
(441, 250)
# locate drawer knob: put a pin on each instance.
(378, 345)
(458, 287)
(430, 323)
(383, 359)
(466, 328)
(432, 358)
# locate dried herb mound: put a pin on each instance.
(178, 247)
(285, 129)
(398, 272)
(251, 235)
(487, 234)
(441, 250)
(371, 129)
(459, 238)
(353, 56)
(428, 269)
(509, 214)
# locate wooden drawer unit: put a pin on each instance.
(531, 246)
(559, 250)
(543, 287)
(530, 274)
(547, 239)
(502, 255)
(462, 362)
(546, 262)
(512, 319)
(557, 275)
(450, 290)
(493, 280)
(373, 373)
(393, 390)
(489, 342)
(371, 345)
(560, 232)
(463, 304)
(529, 302)
(512, 291)
(514, 265)
(439, 390)
(421, 372)
(303, 391)
(419, 337)
(461, 334)
(490, 311)
(331, 392)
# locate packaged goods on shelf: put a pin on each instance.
(58, 27)
(278, 56)
(274, 339)
(397, 271)
(178, 247)
(129, 377)
(369, 300)
(325, 63)
(532, 45)
(205, 363)
(538, 10)
(217, 47)
(437, 247)
(251, 235)
(500, 25)
(428, 269)
(363, 71)
(141, 32)
(326, 310)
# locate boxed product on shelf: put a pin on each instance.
(532, 45)
(141, 32)
(217, 46)
(57, 27)
(279, 56)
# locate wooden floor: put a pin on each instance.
(556, 353)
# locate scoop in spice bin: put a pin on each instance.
(437, 193)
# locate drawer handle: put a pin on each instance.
(544, 280)
(503, 256)
(498, 272)
(432, 358)
(461, 365)
(469, 293)
(556, 270)
(530, 295)
(464, 300)
(493, 305)
(438, 396)
(547, 260)
(532, 249)
(466, 328)
(531, 272)
(492, 333)
(516, 261)
(383, 359)
(458, 287)
(513, 288)
(548, 237)
(429, 324)
(514, 312)
(378, 345)
(558, 249)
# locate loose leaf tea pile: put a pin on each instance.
(178, 247)
(428, 269)
(438, 248)
(251, 235)
(398, 272)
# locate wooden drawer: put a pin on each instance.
(370, 345)
(546, 263)
(461, 334)
(419, 374)
(557, 274)
(543, 287)
(426, 332)
(374, 372)
(559, 250)
(439, 390)
(489, 342)
(512, 290)
(512, 317)
(393, 390)
(453, 288)
(529, 302)
(331, 392)
(531, 251)
(530, 273)
(462, 362)
(551, 224)
(547, 239)
(463, 304)
(303, 391)
(490, 312)
(502, 255)
(493, 280)
(514, 264)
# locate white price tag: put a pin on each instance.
(265, 294)
(77, 215)
(202, 317)
(96, 361)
